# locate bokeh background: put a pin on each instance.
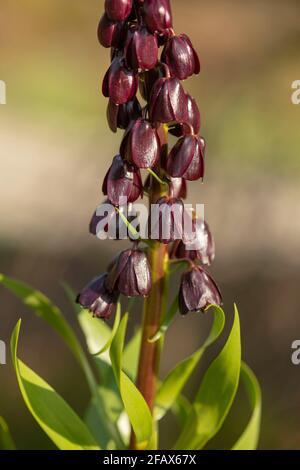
(55, 147)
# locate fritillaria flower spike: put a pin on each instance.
(198, 290)
(135, 30)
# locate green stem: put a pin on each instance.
(158, 179)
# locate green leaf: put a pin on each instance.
(166, 322)
(216, 394)
(6, 441)
(43, 308)
(131, 355)
(53, 414)
(177, 378)
(249, 438)
(181, 409)
(107, 398)
(107, 345)
(134, 403)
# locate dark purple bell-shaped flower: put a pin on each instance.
(202, 247)
(106, 222)
(197, 291)
(141, 50)
(141, 144)
(130, 274)
(118, 10)
(168, 101)
(110, 33)
(186, 159)
(122, 180)
(167, 220)
(121, 115)
(193, 120)
(119, 84)
(97, 299)
(181, 57)
(157, 15)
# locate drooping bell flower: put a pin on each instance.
(193, 119)
(141, 144)
(118, 10)
(186, 159)
(181, 57)
(106, 222)
(119, 84)
(110, 33)
(130, 274)
(120, 116)
(147, 80)
(197, 291)
(157, 15)
(168, 220)
(201, 247)
(168, 101)
(122, 180)
(141, 50)
(97, 299)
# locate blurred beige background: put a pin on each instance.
(55, 147)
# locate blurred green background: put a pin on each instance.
(55, 147)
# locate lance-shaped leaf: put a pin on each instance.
(6, 440)
(166, 321)
(216, 394)
(177, 378)
(134, 403)
(62, 425)
(249, 438)
(44, 308)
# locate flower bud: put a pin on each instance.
(181, 57)
(119, 84)
(197, 291)
(157, 15)
(110, 33)
(192, 122)
(120, 116)
(141, 50)
(118, 10)
(130, 274)
(202, 247)
(141, 144)
(97, 299)
(186, 159)
(122, 180)
(168, 101)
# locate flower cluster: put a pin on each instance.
(136, 30)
